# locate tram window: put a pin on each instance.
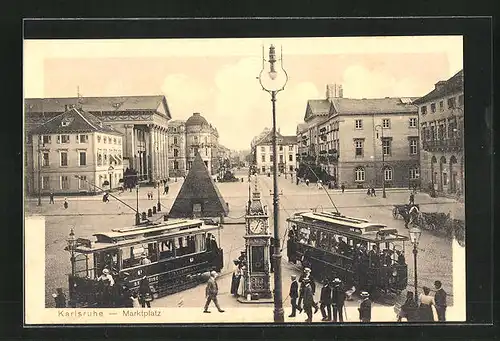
(106, 260)
(152, 252)
(166, 248)
(304, 235)
(200, 243)
(131, 256)
(184, 245)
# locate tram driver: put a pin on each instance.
(106, 278)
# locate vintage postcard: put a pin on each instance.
(296, 180)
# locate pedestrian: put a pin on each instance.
(409, 308)
(343, 188)
(365, 308)
(400, 257)
(235, 281)
(308, 299)
(65, 203)
(294, 294)
(211, 292)
(59, 298)
(326, 301)
(145, 292)
(425, 313)
(106, 276)
(320, 184)
(297, 180)
(338, 300)
(440, 301)
(369, 192)
(105, 197)
(165, 189)
(307, 276)
(106, 283)
(51, 197)
(307, 182)
(135, 301)
(412, 199)
(373, 192)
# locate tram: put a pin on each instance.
(179, 255)
(363, 254)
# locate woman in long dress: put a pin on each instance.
(235, 282)
(242, 283)
(425, 309)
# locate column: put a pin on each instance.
(152, 152)
(129, 144)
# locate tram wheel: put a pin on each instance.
(395, 212)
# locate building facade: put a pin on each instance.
(72, 144)
(193, 135)
(286, 151)
(362, 142)
(441, 116)
(143, 121)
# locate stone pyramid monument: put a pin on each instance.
(199, 196)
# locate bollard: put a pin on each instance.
(150, 213)
(154, 209)
(165, 217)
(144, 216)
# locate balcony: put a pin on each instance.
(453, 144)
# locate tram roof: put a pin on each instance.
(362, 224)
(133, 235)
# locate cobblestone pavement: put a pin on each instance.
(88, 215)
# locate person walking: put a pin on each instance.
(409, 308)
(425, 308)
(165, 189)
(304, 276)
(59, 298)
(65, 203)
(373, 192)
(211, 292)
(51, 197)
(145, 293)
(326, 301)
(294, 294)
(412, 199)
(440, 301)
(338, 300)
(342, 187)
(307, 182)
(365, 308)
(308, 299)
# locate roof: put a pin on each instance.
(281, 139)
(97, 104)
(319, 106)
(302, 127)
(77, 121)
(372, 105)
(196, 120)
(452, 85)
(198, 188)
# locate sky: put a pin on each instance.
(218, 77)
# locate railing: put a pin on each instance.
(453, 143)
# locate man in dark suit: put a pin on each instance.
(326, 300)
(308, 299)
(365, 307)
(211, 292)
(440, 299)
(307, 275)
(338, 300)
(294, 294)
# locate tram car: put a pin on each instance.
(174, 255)
(365, 255)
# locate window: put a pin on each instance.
(433, 107)
(413, 122)
(291, 168)
(176, 165)
(175, 139)
(271, 158)
(359, 147)
(290, 157)
(190, 164)
(413, 147)
(433, 133)
(414, 173)
(359, 174)
(105, 140)
(82, 180)
(281, 148)
(386, 123)
(358, 124)
(83, 159)
(98, 138)
(196, 139)
(423, 110)
(387, 173)
(441, 132)
(451, 103)
(441, 106)
(176, 152)
(445, 179)
(64, 138)
(105, 157)
(99, 157)
(461, 100)
(262, 149)
(45, 182)
(386, 146)
(114, 140)
(82, 138)
(64, 182)
(263, 169)
(46, 139)
(263, 158)
(45, 157)
(281, 158)
(64, 159)
(290, 148)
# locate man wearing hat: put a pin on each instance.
(326, 300)
(307, 275)
(106, 277)
(211, 292)
(294, 294)
(308, 299)
(235, 281)
(107, 282)
(365, 307)
(338, 299)
(144, 259)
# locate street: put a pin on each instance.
(88, 215)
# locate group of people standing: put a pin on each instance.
(422, 309)
(239, 275)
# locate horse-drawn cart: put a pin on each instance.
(402, 210)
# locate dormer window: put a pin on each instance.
(66, 121)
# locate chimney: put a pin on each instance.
(439, 85)
(341, 92)
(329, 91)
(334, 91)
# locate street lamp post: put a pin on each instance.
(158, 204)
(110, 172)
(137, 215)
(414, 237)
(71, 247)
(381, 128)
(274, 81)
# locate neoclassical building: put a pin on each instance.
(142, 120)
(191, 136)
(441, 116)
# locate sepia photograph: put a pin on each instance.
(253, 180)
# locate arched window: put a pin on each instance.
(387, 173)
(176, 152)
(414, 173)
(359, 174)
